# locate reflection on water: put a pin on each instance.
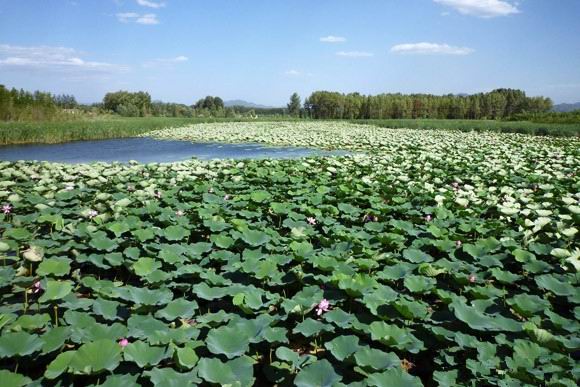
(147, 150)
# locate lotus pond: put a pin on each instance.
(434, 258)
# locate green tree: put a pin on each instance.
(294, 105)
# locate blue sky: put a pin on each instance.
(263, 50)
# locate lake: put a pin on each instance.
(148, 150)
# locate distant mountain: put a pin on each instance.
(566, 107)
(239, 102)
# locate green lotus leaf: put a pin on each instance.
(483, 322)
(417, 256)
(318, 374)
(118, 228)
(186, 357)
(411, 309)
(419, 284)
(12, 379)
(342, 347)
(446, 379)
(126, 380)
(56, 290)
(168, 377)
(55, 338)
(178, 309)
(200, 247)
(301, 249)
(255, 237)
(310, 327)
(339, 317)
(176, 233)
(260, 196)
(234, 372)
(29, 322)
(145, 266)
(106, 308)
(392, 335)
(19, 344)
(223, 241)
(144, 234)
(227, 341)
(143, 354)
(551, 283)
(523, 256)
(394, 377)
(149, 296)
(371, 358)
(58, 267)
(19, 234)
(96, 356)
(527, 305)
(59, 365)
(103, 243)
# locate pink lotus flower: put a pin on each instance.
(227, 197)
(323, 306)
(92, 214)
(311, 221)
(458, 244)
(123, 342)
(472, 278)
(36, 287)
(179, 213)
(157, 194)
(6, 209)
(428, 218)
(455, 185)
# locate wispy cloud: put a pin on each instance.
(482, 8)
(166, 61)
(332, 39)
(133, 17)
(151, 4)
(355, 54)
(425, 48)
(51, 59)
(297, 74)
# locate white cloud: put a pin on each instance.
(425, 48)
(128, 17)
(482, 8)
(166, 61)
(355, 54)
(51, 58)
(332, 39)
(297, 74)
(293, 73)
(150, 4)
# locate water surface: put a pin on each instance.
(148, 150)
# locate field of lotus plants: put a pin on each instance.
(423, 258)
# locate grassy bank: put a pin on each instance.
(526, 127)
(95, 129)
(113, 127)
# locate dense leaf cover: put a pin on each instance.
(446, 259)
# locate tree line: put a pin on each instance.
(21, 105)
(497, 104)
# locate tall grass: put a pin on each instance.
(526, 127)
(53, 132)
